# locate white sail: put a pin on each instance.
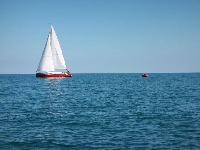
(58, 59)
(46, 62)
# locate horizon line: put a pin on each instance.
(106, 73)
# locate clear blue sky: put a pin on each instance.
(102, 36)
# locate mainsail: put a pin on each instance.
(52, 58)
(58, 59)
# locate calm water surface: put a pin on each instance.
(100, 111)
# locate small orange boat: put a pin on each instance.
(144, 75)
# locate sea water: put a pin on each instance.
(100, 111)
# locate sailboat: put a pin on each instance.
(52, 62)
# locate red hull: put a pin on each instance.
(61, 75)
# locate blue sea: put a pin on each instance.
(100, 111)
